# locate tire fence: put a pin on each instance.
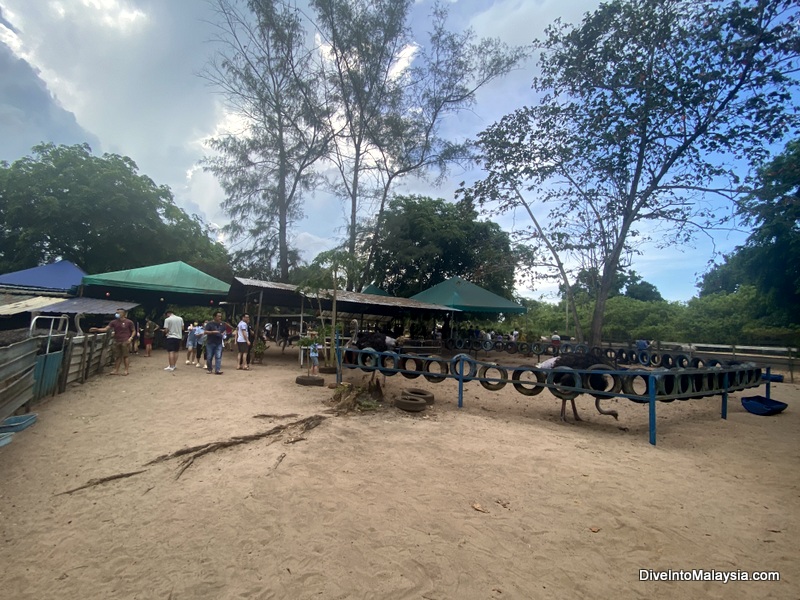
(655, 378)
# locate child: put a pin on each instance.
(313, 353)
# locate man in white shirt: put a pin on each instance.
(243, 342)
(173, 327)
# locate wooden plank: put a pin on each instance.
(17, 393)
(18, 357)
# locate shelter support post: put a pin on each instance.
(769, 377)
(652, 402)
(725, 380)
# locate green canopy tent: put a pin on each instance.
(467, 297)
(158, 285)
(374, 290)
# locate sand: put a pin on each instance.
(496, 500)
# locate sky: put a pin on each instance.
(123, 75)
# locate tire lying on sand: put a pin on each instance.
(309, 380)
(419, 393)
(410, 403)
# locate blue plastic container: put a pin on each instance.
(759, 405)
(14, 424)
(5, 438)
(771, 377)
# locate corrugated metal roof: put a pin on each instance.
(27, 305)
(87, 306)
(352, 297)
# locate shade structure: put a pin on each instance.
(175, 282)
(59, 276)
(374, 290)
(467, 297)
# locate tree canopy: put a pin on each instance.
(98, 212)
(425, 241)
(648, 109)
(770, 258)
(268, 77)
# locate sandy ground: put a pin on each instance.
(496, 500)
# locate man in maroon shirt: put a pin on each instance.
(124, 331)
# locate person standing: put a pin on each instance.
(243, 342)
(191, 342)
(200, 342)
(124, 331)
(313, 353)
(215, 330)
(173, 327)
(150, 329)
(555, 340)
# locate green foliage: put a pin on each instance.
(98, 212)
(770, 259)
(388, 114)
(426, 241)
(266, 73)
(643, 110)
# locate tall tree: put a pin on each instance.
(98, 212)
(426, 241)
(391, 94)
(646, 108)
(770, 258)
(268, 76)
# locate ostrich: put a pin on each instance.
(361, 340)
(578, 362)
(377, 341)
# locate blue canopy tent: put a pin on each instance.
(61, 276)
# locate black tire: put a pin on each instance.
(487, 345)
(520, 386)
(309, 380)
(644, 358)
(549, 349)
(524, 348)
(411, 404)
(435, 377)
(498, 346)
(562, 373)
(566, 349)
(622, 355)
(386, 357)
(419, 393)
(697, 363)
(497, 385)
(682, 361)
(475, 345)
(667, 361)
(450, 344)
(536, 348)
(598, 352)
(459, 344)
(368, 359)
(611, 354)
(628, 389)
(655, 359)
(512, 347)
(467, 360)
(581, 349)
(414, 367)
(593, 382)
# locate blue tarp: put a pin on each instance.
(62, 276)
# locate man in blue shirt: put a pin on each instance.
(215, 331)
